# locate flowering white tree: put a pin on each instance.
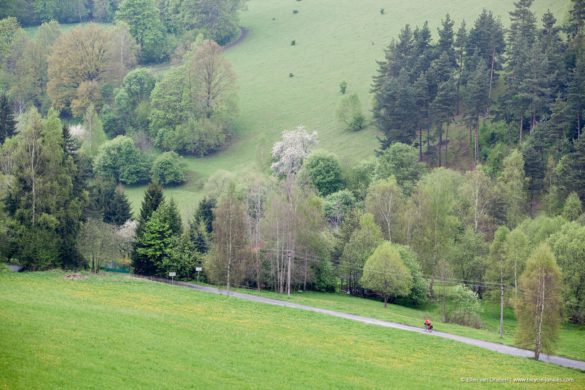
(288, 154)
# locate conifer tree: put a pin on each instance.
(476, 102)
(153, 251)
(7, 122)
(170, 215)
(117, 210)
(153, 197)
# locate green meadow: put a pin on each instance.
(114, 331)
(571, 337)
(336, 40)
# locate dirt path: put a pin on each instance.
(505, 349)
(243, 35)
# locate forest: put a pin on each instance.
(83, 116)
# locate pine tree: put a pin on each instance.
(487, 39)
(117, 210)
(476, 102)
(460, 44)
(7, 122)
(443, 108)
(447, 39)
(539, 309)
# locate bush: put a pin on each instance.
(349, 113)
(466, 308)
(343, 87)
(120, 160)
(323, 171)
(168, 169)
(337, 205)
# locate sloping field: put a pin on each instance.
(336, 40)
(117, 332)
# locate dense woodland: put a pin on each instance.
(78, 111)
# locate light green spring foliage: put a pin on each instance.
(512, 183)
(94, 133)
(386, 201)
(400, 161)
(168, 169)
(349, 113)
(568, 246)
(540, 228)
(466, 307)
(386, 274)
(497, 255)
(538, 319)
(437, 220)
(517, 250)
(572, 209)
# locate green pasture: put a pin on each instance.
(113, 331)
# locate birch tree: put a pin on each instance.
(227, 260)
(540, 307)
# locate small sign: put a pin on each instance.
(198, 269)
(172, 274)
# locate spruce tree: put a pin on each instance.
(170, 215)
(153, 197)
(153, 251)
(117, 209)
(204, 213)
(7, 122)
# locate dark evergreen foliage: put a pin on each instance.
(7, 122)
(117, 209)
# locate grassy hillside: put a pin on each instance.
(336, 40)
(116, 332)
(571, 342)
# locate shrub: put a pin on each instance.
(120, 160)
(293, 42)
(337, 205)
(168, 169)
(323, 171)
(466, 308)
(349, 113)
(343, 87)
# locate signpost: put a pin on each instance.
(172, 275)
(198, 270)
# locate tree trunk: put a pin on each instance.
(477, 143)
(501, 304)
(521, 126)
(440, 145)
(446, 145)
(385, 301)
(420, 144)
(491, 81)
(288, 272)
(538, 345)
